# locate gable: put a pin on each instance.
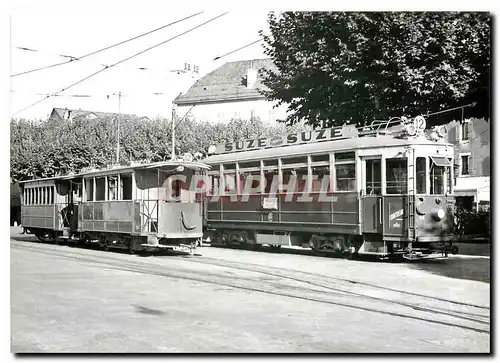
(228, 83)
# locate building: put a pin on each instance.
(64, 114)
(230, 92)
(472, 161)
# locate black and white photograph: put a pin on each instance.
(207, 179)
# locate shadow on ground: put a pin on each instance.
(476, 269)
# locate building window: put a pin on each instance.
(465, 165)
(464, 131)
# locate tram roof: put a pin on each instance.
(194, 165)
(322, 147)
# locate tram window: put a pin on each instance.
(89, 190)
(112, 187)
(271, 177)
(126, 187)
(229, 167)
(245, 178)
(52, 195)
(176, 188)
(301, 179)
(294, 160)
(373, 177)
(396, 176)
(346, 177)
(230, 183)
(322, 173)
(347, 156)
(320, 158)
(421, 175)
(100, 188)
(440, 176)
(214, 183)
(37, 193)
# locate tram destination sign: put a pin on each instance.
(334, 133)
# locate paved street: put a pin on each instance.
(67, 299)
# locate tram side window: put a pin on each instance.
(421, 175)
(396, 176)
(271, 178)
(52, 192)
(230, 183)
(100, 188)
(345, 171)
(112, 187)
(89, 190)
(252, 178)
(126, 187)
(323, 179)
(300, 175)
(214, 184)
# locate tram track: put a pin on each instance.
(293, 284)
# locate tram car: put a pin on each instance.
(137, 207)
(384, 190)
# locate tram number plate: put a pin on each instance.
(270, 203)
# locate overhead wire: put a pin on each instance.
(142, 69)
(236, 50)
(121, 61)
(72, 59)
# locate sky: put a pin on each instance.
(144, 92)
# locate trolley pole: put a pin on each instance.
(118, 128)
(173, 131)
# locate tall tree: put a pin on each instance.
(356, 67)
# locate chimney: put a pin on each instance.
(251, 77)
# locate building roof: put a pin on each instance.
(227, 83)
(60, 112)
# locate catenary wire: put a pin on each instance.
(72, 59)
(142, 69)
(236, 50)
(119, 62)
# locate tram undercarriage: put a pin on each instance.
(337, 244)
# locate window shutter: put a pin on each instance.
(452, 134)
(470, 130)
(471, 165)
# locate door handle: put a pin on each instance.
(380, 210)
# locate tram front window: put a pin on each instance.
(396, 176)
(440, 175)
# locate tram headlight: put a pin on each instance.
(440, 214)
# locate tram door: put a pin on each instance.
(371, 197)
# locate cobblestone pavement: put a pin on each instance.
(68, 299)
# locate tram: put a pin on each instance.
(384, 190)
(137, 207)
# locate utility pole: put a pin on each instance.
(118, 128)
(173, 131)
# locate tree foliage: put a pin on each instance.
(356, 67)
(42, 149)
